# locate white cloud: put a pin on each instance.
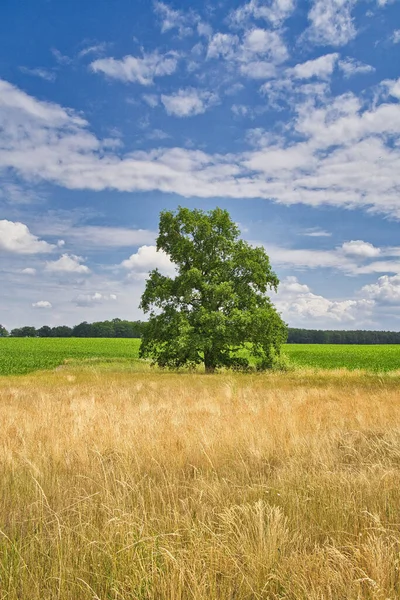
(360, 249)
(258, 69)
(151, 99)
(42, 304)
(39, 72)
(385, 291)
(188, 102)
(223, 45)
(67, 263)
(321, 67)
(157, 134)
(396, 36)
(272, 11)
(393, 87)
(240, 110)
(261, 48)
(300, 305)
(316, 232)
(94, 299)
(146, 259)
(175, 19)
(28, 271)
(62, 59)
(16, 238)
(351, 67)
(264, 43)
(93, 49)
(331, 22)
(14, 101)
(141, 70)
(337, 141)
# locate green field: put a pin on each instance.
(23, 355)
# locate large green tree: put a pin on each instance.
(216, 310)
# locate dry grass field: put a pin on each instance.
(119, 485)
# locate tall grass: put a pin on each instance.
(161, 486)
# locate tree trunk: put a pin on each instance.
(209, 363)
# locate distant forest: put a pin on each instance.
(118, 328)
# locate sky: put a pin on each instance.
(284, 112)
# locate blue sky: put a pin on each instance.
(284, 112)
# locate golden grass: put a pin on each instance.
(125, 486)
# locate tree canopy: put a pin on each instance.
(216, 310)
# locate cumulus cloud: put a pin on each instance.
(385, 291)
(67, 263)
(28, 271)
(136, 69)
(256, 46)
(223, 45)
(360, 249)
(42, 304)
(321, 67)
(299, 304)
(331, 22)
(272, 11)
(146, 259)
(94, 299)
(188, 102)
(16, 238)
(396, 36)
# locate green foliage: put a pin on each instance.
(3, 331)
(315, 336)
(101, 329)
(19, 356)
(217, 304)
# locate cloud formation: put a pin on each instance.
(338, 141)
(67, 263)
(16, 238)
(134, 69)
(188, 102)
(93, 299)
(42, 304)
(145, 260)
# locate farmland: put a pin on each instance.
(24, 355)
(121, 482)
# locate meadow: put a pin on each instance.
(161, 486)
(24, 355)
(120, 482)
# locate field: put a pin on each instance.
(156, 486)
(24, 355)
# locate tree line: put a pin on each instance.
(317, 336)
(117, 328)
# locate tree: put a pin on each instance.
(217, 305)
(44, 331)
(3, 331)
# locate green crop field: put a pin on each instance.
(23, 355)
(335, 356)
